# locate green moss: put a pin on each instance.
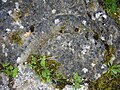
(106, 82)
(96, 36)
(109, 53)
(109, 80)
(15, 37)
(47, 70)
(60, 81)
(116, 16)
(62, 29)
(112, 7)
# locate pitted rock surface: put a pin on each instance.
(73, 32)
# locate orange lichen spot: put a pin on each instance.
(27, 34)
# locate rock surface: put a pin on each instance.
(76, 33)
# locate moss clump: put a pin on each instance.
(62, 29)
(109, 53)
(112, 7)
(109, 80)
(106, 82)
(47, 70)
(96, 36)
(15, 37)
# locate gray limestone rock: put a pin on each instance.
(76, 33)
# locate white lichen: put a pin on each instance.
(18, 59)
(8, 30)
(4, 1)
(19, 24)
(86, 47)
(110, 39)
(97, 75)
(93, 64)
(6, 54)
(93, 18)
(102, 38)
(103, 66)
(17, 6)
(87, 1)
(85, 70)
(53, 11)
(3, 48)
(97, 15)
(10, 12)
(83, 51)
(57, 21)
(104, 16)
(84, 22)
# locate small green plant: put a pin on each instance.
(109, 80)
(9, 70)
(76, 80)
(47, 70)
(43, 67)
(109, 53)
(113, 69)
(45, 73)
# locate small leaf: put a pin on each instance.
(48, 79)
(43, 58)
(114, 71)
(42, 63)
(15, 72)
(111, 62)
(5, 64)
(44, 74)
(29, 65)
(10, 67)
(33, 58)
(47, 72)
(33, 62)
(7, 72)
(118, 66)
(34, 67)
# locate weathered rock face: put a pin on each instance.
(76, 33)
